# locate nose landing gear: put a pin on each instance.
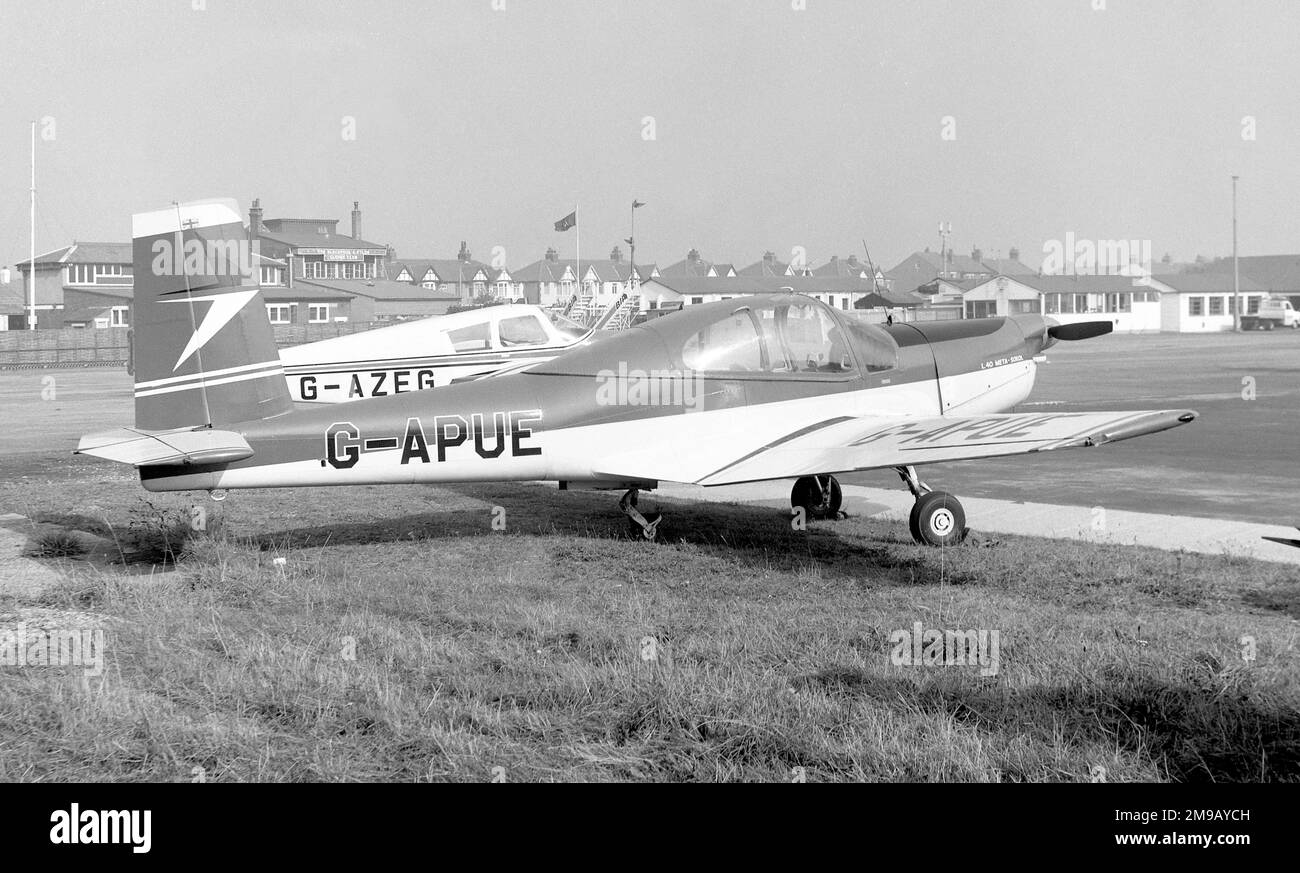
(937, 517)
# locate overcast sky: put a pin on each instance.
(773, 127)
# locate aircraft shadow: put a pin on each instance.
(752, 537)
(1194, 729)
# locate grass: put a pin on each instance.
(55, 544)
(402, 638)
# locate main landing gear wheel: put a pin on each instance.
(820, 497)
(937, 519)
(639, 527)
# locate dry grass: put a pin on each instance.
(401, 638)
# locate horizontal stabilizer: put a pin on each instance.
(146, 448)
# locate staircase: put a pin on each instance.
(622, 319)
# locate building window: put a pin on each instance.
(120, 316)
(1118, 303)
(697, 300)
(1057, 303)
(1252, 305)
(1195, 305)
(1216, 305)
(106, 274)
(1021, 307)
(80, 274)
(280, 313)
(271, 276)
(318, 313)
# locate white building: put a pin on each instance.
(1133, 303)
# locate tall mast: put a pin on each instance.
(31, 240)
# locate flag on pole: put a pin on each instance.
(567, 221)
(637, 204)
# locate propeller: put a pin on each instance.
(1080, 330)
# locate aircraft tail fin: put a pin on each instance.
(204, 351)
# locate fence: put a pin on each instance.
(296, 334)
(111, 346)
(65, 347)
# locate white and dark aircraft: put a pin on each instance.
(430, 352)
(749, 389)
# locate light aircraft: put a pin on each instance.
(430, 352)
(748, 389)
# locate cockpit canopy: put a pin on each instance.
(746, 337)
(787, 336)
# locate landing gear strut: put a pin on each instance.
(937, 517)
(638, 525)
(820, 497)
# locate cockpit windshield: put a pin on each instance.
(565, 325)
(788, 338)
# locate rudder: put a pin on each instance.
(205, 352)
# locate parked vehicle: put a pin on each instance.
(1273, 312)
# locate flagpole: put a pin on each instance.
(31, 242)
(577, 237)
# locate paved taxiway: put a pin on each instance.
(1100, 525)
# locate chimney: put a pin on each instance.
(356, 220)
(254, 219)
(463, 254)
(616, 255)
(769, 257)
(852, 260)
(693, 255)
(1014, 254)
(976, 255)
(551, 255)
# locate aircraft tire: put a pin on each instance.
(808, 494)
(937, 519)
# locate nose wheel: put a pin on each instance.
(937, 517)
(820, 497)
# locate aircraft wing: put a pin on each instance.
(144, 448)
(865, 443)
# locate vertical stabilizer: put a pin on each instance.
(205, 353)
